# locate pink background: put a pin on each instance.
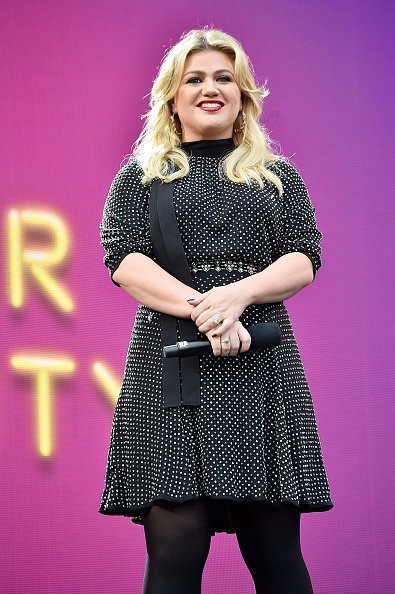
(75, 79)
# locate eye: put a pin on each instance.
(198, 79)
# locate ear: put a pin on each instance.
(173, 105)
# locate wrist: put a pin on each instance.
(245, 294)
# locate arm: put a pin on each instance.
(279, 281)
(129, 254)
(297, 257)
(299, 251)
(151, 285)
(282, 279)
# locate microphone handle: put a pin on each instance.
(197, 347)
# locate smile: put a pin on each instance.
(210, 105)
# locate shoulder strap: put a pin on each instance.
(181, 377)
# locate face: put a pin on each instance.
(208, 99)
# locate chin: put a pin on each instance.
(214, 130)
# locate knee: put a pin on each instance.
(169, 545)
(177, 545)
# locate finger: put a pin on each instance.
(205, 322)
(245, 339)
(230, 341)
(198, 301)
(195, 312)
(195, 300)
(224, 327)
(226, 345)
(198, 308)
(234, 341)
(215, 345)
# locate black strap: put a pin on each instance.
(181, 377)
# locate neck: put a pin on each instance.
(207, 147)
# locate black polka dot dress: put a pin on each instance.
(254, 436)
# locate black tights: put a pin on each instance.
(178, 538)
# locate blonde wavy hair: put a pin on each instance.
(157, 149)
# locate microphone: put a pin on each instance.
(263, 335)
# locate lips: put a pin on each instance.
(210, 105)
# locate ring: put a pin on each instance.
(216, 319)
(227, 340)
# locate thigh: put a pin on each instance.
(178, 537)
(178, 528)
(269, 541)
(271, 527)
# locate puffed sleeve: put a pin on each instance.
(124, 227)
(299, 225)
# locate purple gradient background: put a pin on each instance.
(75, 78)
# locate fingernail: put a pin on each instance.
(214, 335)
(192, 299)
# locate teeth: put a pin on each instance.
(210, 105)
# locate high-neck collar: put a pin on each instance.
(208, 148)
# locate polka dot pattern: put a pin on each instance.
(255, 435)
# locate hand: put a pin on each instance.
(227, 301)
(239, 338)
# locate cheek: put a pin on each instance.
(238, 99)
(236, 103)
(185, 98)
(235, 98)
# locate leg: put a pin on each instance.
(178, 538)
(269, 541)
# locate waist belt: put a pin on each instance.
(181, 377)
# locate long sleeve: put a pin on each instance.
(124, 227)
(299, 225)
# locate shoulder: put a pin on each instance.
(127, 183)
(130, 173)
(127, 192)
(294, 186)
(285, 170)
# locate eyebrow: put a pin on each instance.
(202, 71)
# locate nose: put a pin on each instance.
(209, 88)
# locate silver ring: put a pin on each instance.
(216, 319)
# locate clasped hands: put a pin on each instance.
(228, 303)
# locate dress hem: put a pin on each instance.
(137, 513)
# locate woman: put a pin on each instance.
(242, 453)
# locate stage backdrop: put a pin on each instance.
(75, 78)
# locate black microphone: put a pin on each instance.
(263, 335)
